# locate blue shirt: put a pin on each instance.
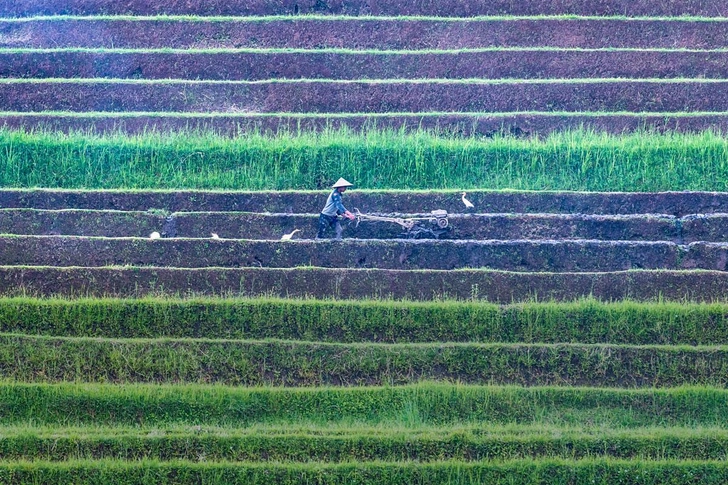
(333, 205)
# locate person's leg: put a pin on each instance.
(323, 224)
(338, 228)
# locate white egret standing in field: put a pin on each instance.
(155, 235)
(287, 237)
(467, 203)
(214, 236)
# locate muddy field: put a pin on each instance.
(676, 204)
(241, 225)
(261, 66)
(449, 8)
(513, 255)
(362, 34)
(367, 97)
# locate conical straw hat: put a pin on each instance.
(342, 183)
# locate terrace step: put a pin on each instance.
(233, 124)
(495, 286)
(366, 33)
(676, 204)
(331, 320)
(246, 225)
(236, 362)
(444, 8)
(491, 64)
(72, 404)
(426, 444)
(365, 97)
(517, 255)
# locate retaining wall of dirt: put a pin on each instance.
(260, 66)
(520, 125)
(363, 33)
(409, 202)
(273, 226)
(496, 286)
(445, 8)
(365, 97)
(518, 255)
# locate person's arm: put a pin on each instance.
(340, 209)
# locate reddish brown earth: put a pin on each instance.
(677, 204)
(366, 97)
(445, 8)
(495, 286)
(518, 125)
(363, 34)
(262, 66)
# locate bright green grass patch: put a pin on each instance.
(583, 321)
(253, 363)
(411, 406)
(376, 158)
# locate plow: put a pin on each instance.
(433, 224)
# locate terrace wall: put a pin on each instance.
(447, 8)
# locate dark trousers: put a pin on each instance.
(325, 222)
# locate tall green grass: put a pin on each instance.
(582, 321)
(411, 406)
(374, 158)
(287, 363)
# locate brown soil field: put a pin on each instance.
(524, 125)
(676, 204)
(262, 66)
(445, 8)
(363, 34)
(495, 286)
(273, 226)
(365, 97)
(516, 255)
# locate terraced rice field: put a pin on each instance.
(572, 331)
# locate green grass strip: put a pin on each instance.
(253, 363)
(197, 442)
(452, 472)
(583, 321)
(373, 158)
(411, 406)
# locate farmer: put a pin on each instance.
(333, 209)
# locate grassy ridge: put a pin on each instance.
(422, 404)
(585, 321)
(453, 472)
(32, 359)
(578, 160)
(354, 444)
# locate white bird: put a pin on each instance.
(467, 203)
(214, 236)
(287, 237)
(155, 235)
